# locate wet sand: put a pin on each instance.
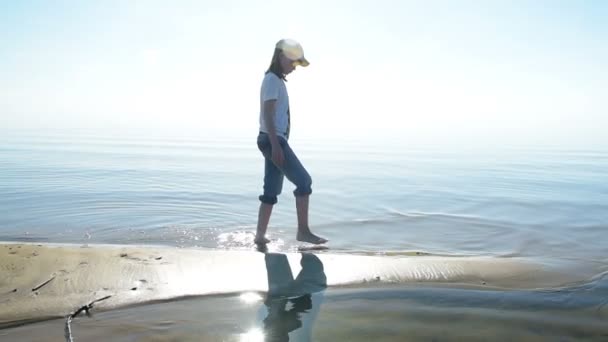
(401, 313)
(171, 294)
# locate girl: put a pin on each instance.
(280, 160)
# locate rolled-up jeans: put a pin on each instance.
(273, 174)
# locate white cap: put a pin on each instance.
(292, 50)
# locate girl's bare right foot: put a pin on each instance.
(261, 241)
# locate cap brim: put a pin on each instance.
(303, 62)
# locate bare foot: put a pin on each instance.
(311, 238)
(261, 241)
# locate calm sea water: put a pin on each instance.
(542, 203)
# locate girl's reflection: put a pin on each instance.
(292, 304)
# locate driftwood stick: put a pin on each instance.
(68, 320)
(41, 285)
(68, 329)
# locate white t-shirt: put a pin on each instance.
(273, 88)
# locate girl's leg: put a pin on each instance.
(304, 233)
(297, 174)
(263, 219)
(273, 185)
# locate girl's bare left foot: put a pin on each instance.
(310, 238)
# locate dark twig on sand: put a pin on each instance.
(68, 320)
(41, 285)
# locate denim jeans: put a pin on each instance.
(273, 175)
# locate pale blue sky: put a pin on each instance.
(487, 72)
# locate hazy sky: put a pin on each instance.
(488, 72)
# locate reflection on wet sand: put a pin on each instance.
(289, 301)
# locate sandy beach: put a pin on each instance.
(172, 294)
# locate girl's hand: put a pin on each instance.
(277, 155)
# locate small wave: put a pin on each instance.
(394, 214)
(422, 214)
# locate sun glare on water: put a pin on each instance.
(253, 335)
(250, 297)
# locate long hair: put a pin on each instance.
(275, 65)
